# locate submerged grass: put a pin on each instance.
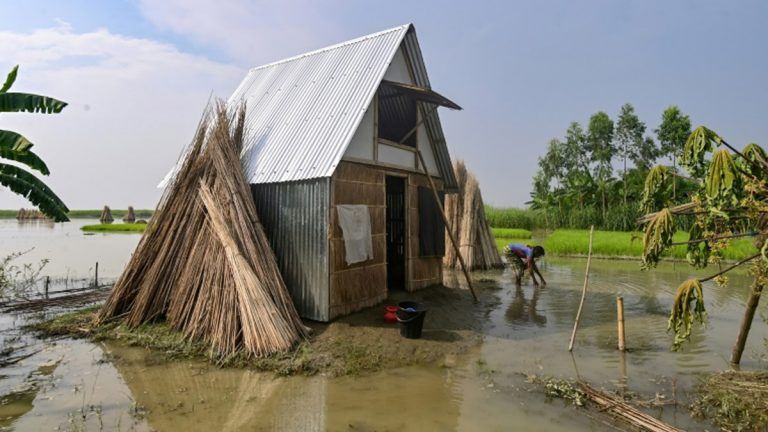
(115, 227)
(735, 401)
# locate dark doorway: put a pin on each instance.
(395, 233)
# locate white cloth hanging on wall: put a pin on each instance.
(355, 223)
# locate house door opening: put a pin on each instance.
(395, 214)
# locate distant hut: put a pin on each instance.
(466, 214)
(129, 217)
(106, 216)
(333, 149)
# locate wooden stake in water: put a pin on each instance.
(583, 290)
(620, 321)
(47, 284)
(96, 275)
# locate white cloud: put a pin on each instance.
(253, 33)
(133, 104)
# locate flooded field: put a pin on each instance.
(69, 384)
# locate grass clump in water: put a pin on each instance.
(123, 227)
(736, 401)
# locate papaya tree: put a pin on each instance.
(15, 148)
(731, 201)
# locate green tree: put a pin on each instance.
(602, 150)
(675, 128)
(631, 143)
(16, 148)
(731, 201)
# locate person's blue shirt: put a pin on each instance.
(521, 250)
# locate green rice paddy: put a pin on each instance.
(117, 227)
(616, 244)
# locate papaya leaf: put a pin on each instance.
(723, 182)
(697, 146)
(25, 102)
(755, 158)
(652, 188)
(10, 79)
(657, 238)
(30, 187)
(681, 317)
(12, 140)
(26, 157)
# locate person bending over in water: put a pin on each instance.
(523, 257)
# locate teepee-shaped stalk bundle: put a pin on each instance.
(204, 263)
(466, 214)
(106, 215)
(130, 217)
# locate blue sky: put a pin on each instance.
(138, 73)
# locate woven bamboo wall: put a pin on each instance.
(365, 284)
(362, 284)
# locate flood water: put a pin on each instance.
(76, 385)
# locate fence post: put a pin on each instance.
(620, 316)
(47, 283)
(96, 275)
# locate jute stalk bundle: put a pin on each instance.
(106, 215)
(204, 263)
(466, 213)
(130, 217)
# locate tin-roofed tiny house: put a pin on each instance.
(332, 153)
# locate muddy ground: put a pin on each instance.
(359, 343)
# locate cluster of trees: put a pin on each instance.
(595, 176)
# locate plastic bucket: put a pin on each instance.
(411, 315)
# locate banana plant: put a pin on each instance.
(17, 149)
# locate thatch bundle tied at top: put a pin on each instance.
(130, 217)
(466, 214)
(106, 216)
(30, 214)
(204, 263)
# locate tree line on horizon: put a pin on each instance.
(596, 175)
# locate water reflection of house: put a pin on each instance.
(343, 125)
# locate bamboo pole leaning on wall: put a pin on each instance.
(447, 224)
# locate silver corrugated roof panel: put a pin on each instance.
(303, 111)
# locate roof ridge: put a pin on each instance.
(334, 46)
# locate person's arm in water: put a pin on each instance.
(531, 264)
(535, 268)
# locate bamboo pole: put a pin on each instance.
(583, 290)
(620, 322)
(746, 323)
(447, 224)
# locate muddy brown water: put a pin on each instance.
(76, 385)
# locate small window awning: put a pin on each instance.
(422, 94)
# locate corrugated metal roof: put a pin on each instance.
(303, 111)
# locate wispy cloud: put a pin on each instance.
(252, 33)
(134, 103)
